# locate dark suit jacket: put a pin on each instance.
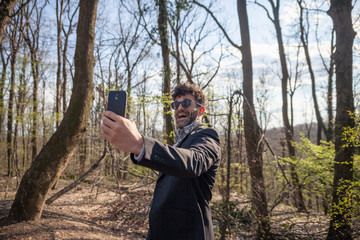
(180, 207)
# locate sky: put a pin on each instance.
(264, 55)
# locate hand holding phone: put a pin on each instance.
(117, 102)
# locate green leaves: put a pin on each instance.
(314, 165)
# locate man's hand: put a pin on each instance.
(121, 132)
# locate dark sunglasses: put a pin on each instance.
(185, 104)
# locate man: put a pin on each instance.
(180, 207)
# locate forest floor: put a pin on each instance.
(93, 211)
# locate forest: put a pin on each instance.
(282, 80)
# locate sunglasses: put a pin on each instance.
(185, 104)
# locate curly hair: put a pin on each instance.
(188, 88)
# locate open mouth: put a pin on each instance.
(182, 116)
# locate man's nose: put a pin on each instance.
(180, 106)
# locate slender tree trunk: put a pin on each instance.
(329, 97)
(64, 56)
(35, 73)
(59, 16)
(55, 155)
(253, 142)
(20, 107)
(289, 132)
(340, 220)
(5, 62)
(164, 41)
(304, 40)
(9, 135)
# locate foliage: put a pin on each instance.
(314, 165)
(351, 135)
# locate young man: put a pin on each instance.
(180, 207)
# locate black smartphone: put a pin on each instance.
(117, 102)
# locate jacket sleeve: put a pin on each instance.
(203, 152)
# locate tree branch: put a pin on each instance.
(218, 23)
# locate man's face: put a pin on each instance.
(185, 116)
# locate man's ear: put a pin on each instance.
(202, 110)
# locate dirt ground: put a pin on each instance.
(91, 211)
(86, 212)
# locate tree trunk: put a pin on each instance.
(5, 62)
(329, 97)
(59, 15)
(20, 109)
(304, 40)
(35, 73)
(6, 8)
(340, 220)
(253, 138)
(64, 56)
(164, 41)
(9, 134)
(55, 155)
(289, 132)
(226, 224)
(15, 40)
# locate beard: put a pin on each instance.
(190, 118)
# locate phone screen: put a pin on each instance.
(117, 102)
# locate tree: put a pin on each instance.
(226, 224)
(31, 34)
(189, 30)
(6, 8)
(330, 70)
(67, 32)
(5, 57)
(340, 221)
(57, 152)
(164, 42)
(15, 41)
(59, 23)
(253, 134)
(304, 37)
(289, 131)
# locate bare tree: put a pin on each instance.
(253, 134)
(330, 86)
(232, 101)
(66, 11)
(289, 131)
(15, 37)
(189, 31)
(304, 37)
(5, 57)
(59, 22)
(131, 49)
(21, 103)
(31, 33)
(56, 154)
(165, 51)
(340, 220)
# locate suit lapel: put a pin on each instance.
(198, 126)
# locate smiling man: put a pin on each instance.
(180, 207)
